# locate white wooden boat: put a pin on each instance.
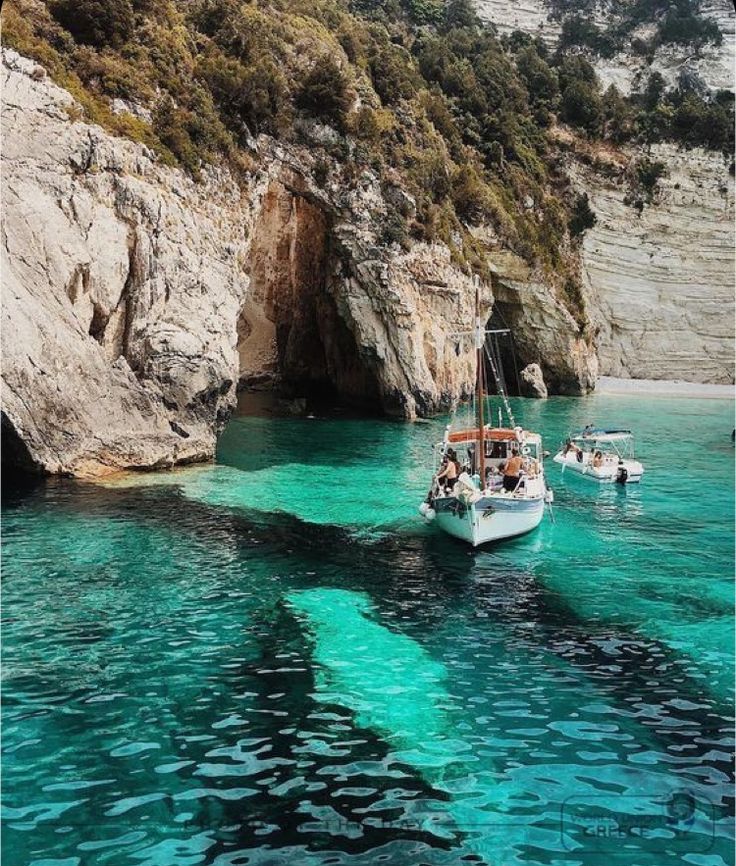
(605, 456)
(481, 506)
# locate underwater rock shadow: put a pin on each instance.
(359, 798)
(426, 574)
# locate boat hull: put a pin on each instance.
(606, 474)
(489, 519)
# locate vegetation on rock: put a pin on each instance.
(665, 22)
(687, 114)
(417, 92)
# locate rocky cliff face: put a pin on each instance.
(135, 300)
(713, 64)
(660, 281)
(543, 327)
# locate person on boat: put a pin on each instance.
(571, 446)
(494, 478)
(598, 460)
(448, 475)
(531, 467)
(512, 470)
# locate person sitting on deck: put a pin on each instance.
(450, 471)
(512, 470)
(494, 478)
(531, 467)
(597, 460)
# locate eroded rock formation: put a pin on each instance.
(132, 294)
(658, 278)
(532, 382)
(543, 327)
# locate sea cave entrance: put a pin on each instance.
(291, 338)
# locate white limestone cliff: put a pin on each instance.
(660, 282)
(129, 292)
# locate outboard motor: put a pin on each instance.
(623, 474)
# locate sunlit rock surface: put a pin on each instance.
(660, 282)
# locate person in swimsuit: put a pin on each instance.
(449, 473)
(512, 470)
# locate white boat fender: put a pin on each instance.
(427, 512)
(549, 497)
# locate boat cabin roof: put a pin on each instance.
(495, 434)
(602, 436)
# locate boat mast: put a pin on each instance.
(480, 338)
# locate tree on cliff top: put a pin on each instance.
(582, 217)
(582, 106)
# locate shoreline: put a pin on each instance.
(611, 385)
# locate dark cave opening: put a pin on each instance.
(291, 337)
(16, 458)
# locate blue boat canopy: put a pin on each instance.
(601, 435)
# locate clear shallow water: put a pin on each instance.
(192, 676)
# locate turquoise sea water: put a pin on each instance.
(273, 660)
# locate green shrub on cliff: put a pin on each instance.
(582, 217)
(582, 107)
(648, 173)
(101, 23)
(416, 91)
(324, 92)
(672, 21)
(539, 77)
(683, 25)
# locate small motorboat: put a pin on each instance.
(605, 456)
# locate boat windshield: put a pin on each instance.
(620, 442)
(591, 435)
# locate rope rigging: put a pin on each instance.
(494, 361)
(497, 311)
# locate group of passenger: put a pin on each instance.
(512, 470)
(596, 460)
